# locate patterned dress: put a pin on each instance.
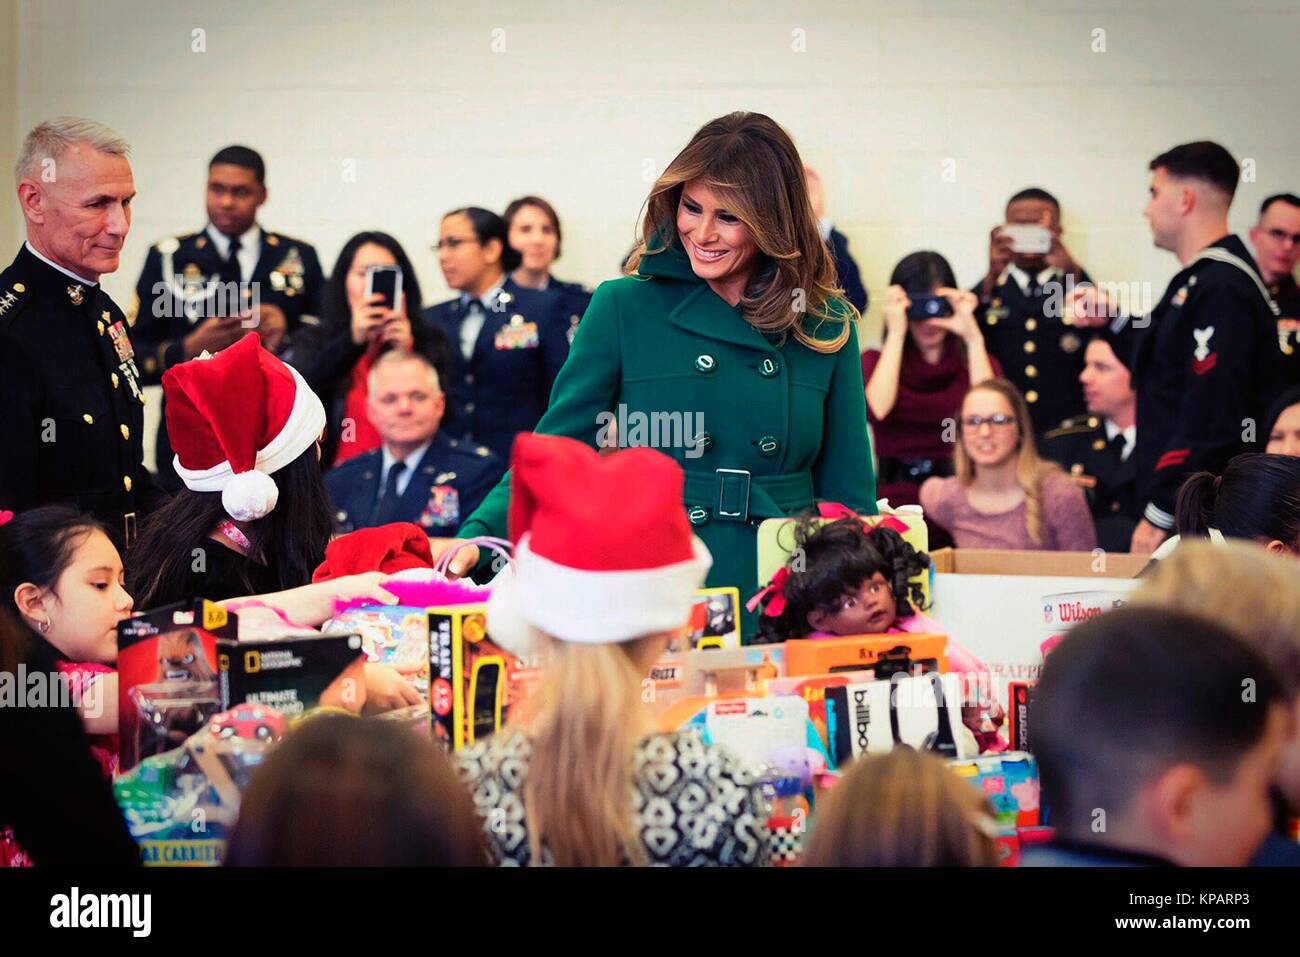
(694, 804)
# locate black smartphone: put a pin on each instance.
(387, 281)
(926, 306)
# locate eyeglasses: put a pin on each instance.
(1281, 235)
(997, 420)
(451, 242)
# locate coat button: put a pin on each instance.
(697, 515)
(1029, 346)
(1031, 371)
(705, 442)
(126, 433)
(469, 407)
(469, 378)
(1031, 325)
(768, 368)
(706, 364)
(126, 482)
(1098, 444)
(992, 320)
(1031, 396)
(768, 446)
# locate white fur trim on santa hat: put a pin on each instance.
(590, 607)
(302, 428)
(249, 496)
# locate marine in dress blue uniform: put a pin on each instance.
(503, 387)
(448, 483)
(71, 408)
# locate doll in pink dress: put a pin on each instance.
(849, 577)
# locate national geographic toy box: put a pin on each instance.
(167, 675)
(473, 684)
(294, 673)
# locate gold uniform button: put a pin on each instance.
(1031, 396)
(19, 287)
(126, 433)
(992, 320)
(1098, 444)
(1029, 346)
(126, 482)
(1031, 325)
(1093, 422)
(1031, 371)
(90, 419)
(1076, 468)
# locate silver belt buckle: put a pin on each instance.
(743, 514)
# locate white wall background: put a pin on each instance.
(586, 101)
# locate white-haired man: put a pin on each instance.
(71, 409)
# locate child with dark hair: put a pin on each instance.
(847, 578)
(1158, 735)
(1256, 498)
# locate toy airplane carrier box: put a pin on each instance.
(167, 676)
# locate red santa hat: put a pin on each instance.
(392, 548)
(603, 550)
(236, 417)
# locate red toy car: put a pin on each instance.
(248, 721)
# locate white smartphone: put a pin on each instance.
(1028, 238)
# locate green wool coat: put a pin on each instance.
(673, 366)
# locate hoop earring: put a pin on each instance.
(44, 626)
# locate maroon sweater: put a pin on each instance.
(927, 394)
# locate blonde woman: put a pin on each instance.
(901, 809)
(1004, 495)
(729, 347)
(606, 570)
(1254, 593)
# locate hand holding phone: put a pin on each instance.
(387, 282)
(1028, 238)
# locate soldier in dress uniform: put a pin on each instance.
(1097, 448)
(1206, 364)
(1021, 312)
(418, 474)
(534, 231)
(846, 268)
(204, 290)
(507, 343)
(71, 408)
(1276, 238)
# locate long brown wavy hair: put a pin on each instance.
(752, 165)
(1031, 470)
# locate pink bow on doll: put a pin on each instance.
(834, 510)
(776, 589)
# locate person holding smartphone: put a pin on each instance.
(932, 353)
(367, 307)
(1021, 314)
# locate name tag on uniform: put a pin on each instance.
(518, 334)
(442, 508)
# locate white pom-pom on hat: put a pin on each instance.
(250, 495)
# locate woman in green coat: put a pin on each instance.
(727, 347)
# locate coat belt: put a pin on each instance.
(736, 495)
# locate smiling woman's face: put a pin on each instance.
(720, 247)
(989, 443)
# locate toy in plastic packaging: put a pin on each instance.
(181, 805)
(923, 712)
(1009, 781)
(294, 673)
(167, 675)
(1021, 696)
(886, 655)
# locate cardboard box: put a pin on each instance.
(474, 685)
(876, 716)
(396, 635)
(1005, 561)
(167, 676)
(294, 673)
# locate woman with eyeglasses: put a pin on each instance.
(918, 377)
(1004, 495)
(507, 342)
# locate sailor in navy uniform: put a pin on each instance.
(204, 290)
(71, 407)
(436, 488)
(1206, 369)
